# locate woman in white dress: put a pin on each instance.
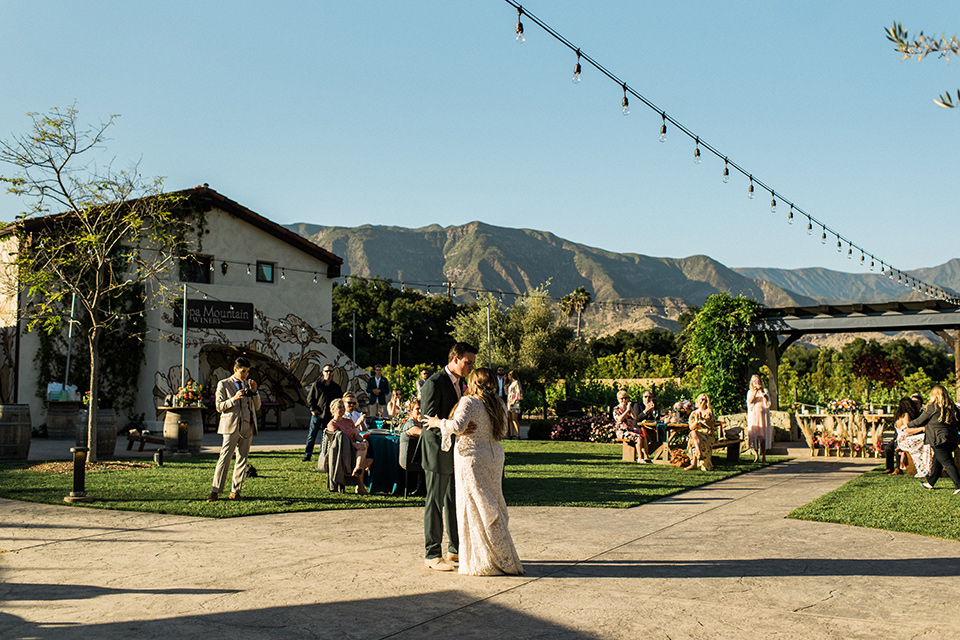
(480, 421)
(759, 430)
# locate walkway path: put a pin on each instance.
(716, 562)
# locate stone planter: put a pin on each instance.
(15, 431)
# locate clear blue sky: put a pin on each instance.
(413, 113)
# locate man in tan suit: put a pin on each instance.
(238, 402)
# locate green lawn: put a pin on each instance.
(893, 503)
(538, 474)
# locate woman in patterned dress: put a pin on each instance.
(703, 427)
(625, 421)
(480, 423)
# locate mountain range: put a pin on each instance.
(630, 291)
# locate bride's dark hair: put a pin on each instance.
(482, 384)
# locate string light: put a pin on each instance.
(809, 226)
(849, 252)
(248, 269)
(773, 202)
(750, 190)
(576, 69)
(726, 171)
(823, 235)
(871, 263)
(314, 278)
(696, 152)
(790, 215)
(625, 102)
(839, 248)
(283, 274)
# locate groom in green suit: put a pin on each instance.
(439, 396)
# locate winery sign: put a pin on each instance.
(214, 314)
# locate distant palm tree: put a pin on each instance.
(576, 302)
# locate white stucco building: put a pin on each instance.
(254, 288)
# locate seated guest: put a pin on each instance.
(395, 405)
(625, 421)
(647, 412)
(358, 442)
(350, 404)
(410, 453)
(703, 429)
(907, 441)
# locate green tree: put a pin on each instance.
(404, 320)
(575, 303)
(112, 231)
(922, 46)
(722, 349)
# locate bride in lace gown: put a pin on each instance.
(480, 422)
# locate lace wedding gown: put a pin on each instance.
(486, 548)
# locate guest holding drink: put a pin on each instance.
(703, 427)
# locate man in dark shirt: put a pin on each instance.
(322, 393)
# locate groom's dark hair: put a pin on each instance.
(460, 349)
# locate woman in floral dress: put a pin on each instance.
(703, 428)
(625, 421)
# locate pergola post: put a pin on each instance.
(772, 356)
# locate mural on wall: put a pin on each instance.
(286, 356)
(8, 336)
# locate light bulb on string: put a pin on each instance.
(625, 102)
(849, 252)
(663, 128)
(283, 274)
(790, 215)
(750, 189)
(809, 227)
(823, 235)
(314, 278)
(520, 38)
(871, 263)
(861, 257)
(248, 269)
(726, 171)
(696, 152)
(576, 69)
(773, 202)
(839, 247)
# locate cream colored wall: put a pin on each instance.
(237, 242)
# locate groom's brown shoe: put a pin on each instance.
(437, 564)
(453, 559)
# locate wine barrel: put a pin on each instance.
(106, 432)
(62, 420)
(14, 431)
(193, 416)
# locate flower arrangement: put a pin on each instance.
(844, 405)
(189, 396)
(86, 399)
(683, 407)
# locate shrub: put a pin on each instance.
(585, 429)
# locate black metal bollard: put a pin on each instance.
(158, 457)
(79, 493)
(182, 437)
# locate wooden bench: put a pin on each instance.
(143, 437)
(732, 445)
(629, 449)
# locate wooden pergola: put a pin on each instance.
(780, 327)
